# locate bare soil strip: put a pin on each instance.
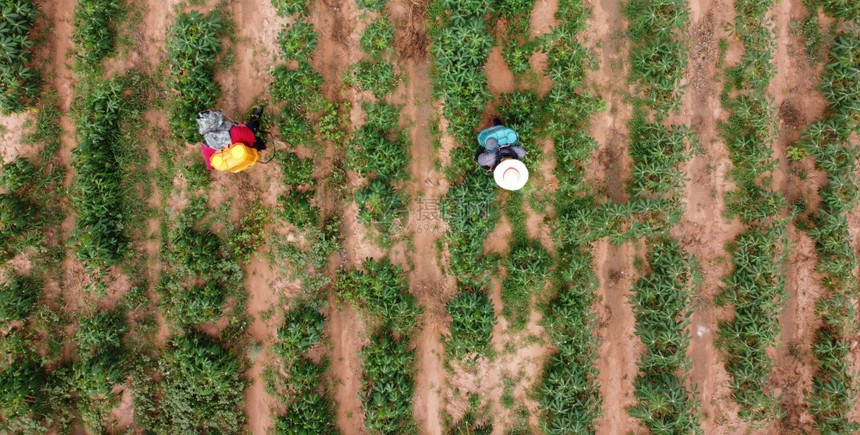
(608, 169)
(426, 280)
(799, 103)
(703, 231)
(337, 49)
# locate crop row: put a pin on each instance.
(460, 82)
(568, 393)
(296, 379)
(98, 193)
(95, 34)
(755, 287)
(380, 289)
(661, 297)
(193, 46)
(460, 46)
(832, 397)
(19, 82)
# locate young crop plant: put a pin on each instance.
(658, 57)
(19, 81)
(388, 384)
(200, 273)
(472, 322)
(98, 193)
(661, 305)
(199, 388)
(306, 399)
(95, 23)
(528, 267)
(193, 47)
(378, 38)
(380, 288)
(833, 396)
(298, 41)
(22, 212)
(517, 47)
(568, 394)
(371, 5)
(756, 290)
(461, 44)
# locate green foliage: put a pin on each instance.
(472, 322)
(380, 288)
(193, 47)
(371, 5)
(755, 286)
(199, 273)
(302, 329)
(297, 171)
(99, 193)
(251, 233)
(528, 270)
(846, 9)
(201, 387)
(661, 305)
(387, 384)
(756, 290)
(378, 38)
(841, 81)
(21, 389)
(460, 48)
(287, 8)
(309, 410)
(378, 77)
(95, 23)
(833, 396)
(378, 149)
(18, 297)
(19, 83)
(658, 55)
(298, 41)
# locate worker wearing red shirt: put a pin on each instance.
(239, 133)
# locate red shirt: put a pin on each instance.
(238, 134)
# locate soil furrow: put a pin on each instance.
(799, 103)
(426, 279)
(703, 231)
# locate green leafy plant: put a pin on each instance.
(193, 50)
(298, 41)
(19, 82)
(378, 38)
(95, 23)
(377, 77)
(380, 288)
(98, 191)
(201, 387)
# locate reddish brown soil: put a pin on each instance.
(426, 280)
(704, 231)
(799, 103)
(619, 348)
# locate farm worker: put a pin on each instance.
(500, 154)
(219, 134)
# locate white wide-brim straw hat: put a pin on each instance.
(511, 174)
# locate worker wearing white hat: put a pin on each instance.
(500, 154)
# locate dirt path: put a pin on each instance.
(337, 49)
(257, 51)
(610, 166)
(608, 169)
(798, 101)
(426, 281)
(704, 231)
(619, 348)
